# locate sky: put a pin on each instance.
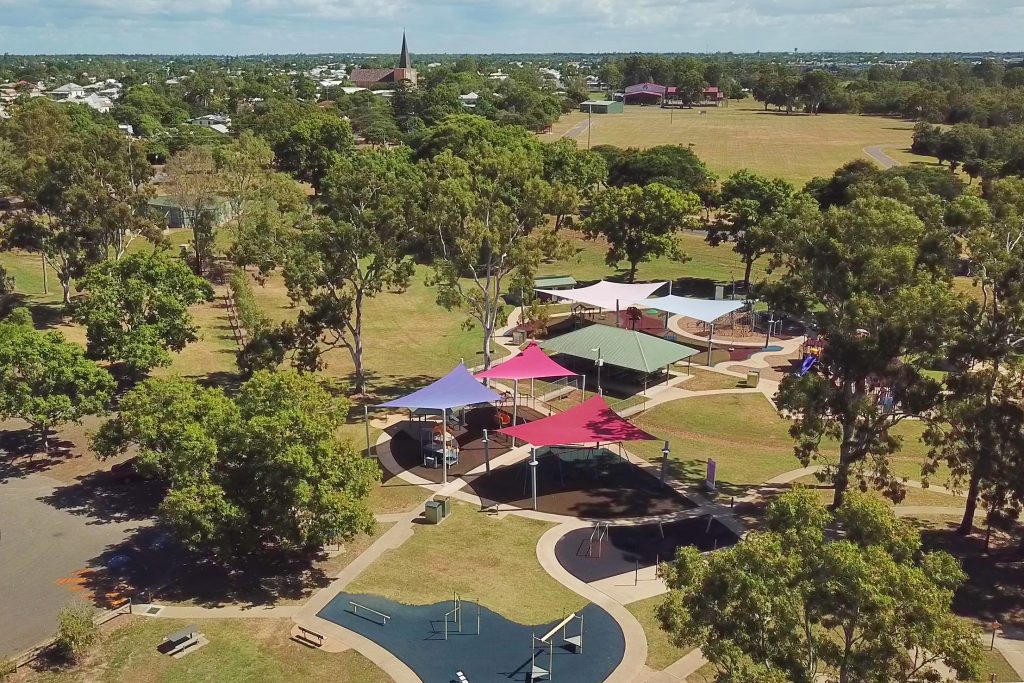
(486, 26)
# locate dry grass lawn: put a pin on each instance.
(795, 147)
(483, 558)
(239, 650)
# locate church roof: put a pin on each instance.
(404, 62)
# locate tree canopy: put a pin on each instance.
(46, 380)
(135, 310)
(791, 604)
(264, 468)
(641, 222)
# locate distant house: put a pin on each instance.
(174, 216)
(645, 93)
(67, 91)
(469, 100)
(366, 78)
(714, 95)
(601, 107)
(211, 120)
(594, 84)
(126, 128)
(98, 102)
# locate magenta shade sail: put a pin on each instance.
(590, 422)
(530, 363)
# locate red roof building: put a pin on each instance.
(365, 78)
(645, 93)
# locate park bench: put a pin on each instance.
(308, 634)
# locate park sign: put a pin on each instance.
(709, 480)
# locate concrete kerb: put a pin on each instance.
(635, 656)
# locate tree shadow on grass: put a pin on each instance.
(994, 590)
(152, 567)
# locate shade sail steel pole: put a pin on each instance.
(710, 335)
(618, 320)
(487, 453)
(533, 474)
(515, 407)
(444, 445)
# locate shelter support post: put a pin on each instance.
(533, 475)
(487, 453)
(618, 320)
(444, 445)
(583, 390)
(664, 462)
(711, 334)
(515, 408)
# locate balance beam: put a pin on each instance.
(560, 624)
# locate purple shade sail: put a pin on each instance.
(456, 389)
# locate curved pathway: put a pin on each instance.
(883, 159)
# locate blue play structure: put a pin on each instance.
(809, 361)
(439, 641)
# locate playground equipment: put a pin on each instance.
(356, 607)
(812, 351)
(571, 642)
(454, 616)
(437, 443)
(598, 535)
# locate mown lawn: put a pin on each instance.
(660, 651)
(748, 439)
(240, 650)
(795, 147)
(479, 556)
(714, 264)
(409, 339)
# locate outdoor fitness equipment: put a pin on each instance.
(574, 642)
(454, 615)
(598, 535)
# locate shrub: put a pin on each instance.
(76, 630)
(249, 314)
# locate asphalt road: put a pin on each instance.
(883, 159)
(48, 532)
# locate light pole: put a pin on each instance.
(590, 123)
(600, 362)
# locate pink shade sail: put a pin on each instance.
(590, 422)
(530, 363)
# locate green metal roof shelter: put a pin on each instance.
(555, 282)
(622, 348)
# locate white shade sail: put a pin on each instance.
(705, 310)
(607, 295)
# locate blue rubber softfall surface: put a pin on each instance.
(415, 634)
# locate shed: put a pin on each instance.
(555, 282)
(601, 107)
(174, 216)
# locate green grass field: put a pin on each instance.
(660, 651)
(795, 147)
(239, 650)
(717, 264)
(483, 558)
(749, 441)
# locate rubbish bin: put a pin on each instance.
(433, 511)
(753, 377)
(446, 505)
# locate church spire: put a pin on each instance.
(403, 61)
